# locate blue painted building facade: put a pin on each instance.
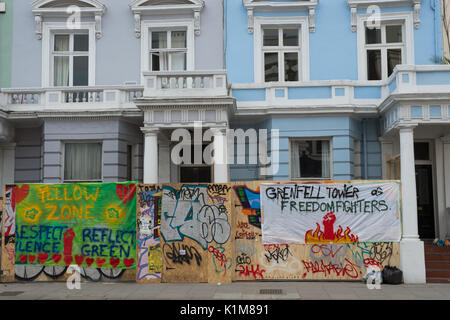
(333, 80)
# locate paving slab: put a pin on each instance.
(229, 291)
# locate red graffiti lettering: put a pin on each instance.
(326, 250)
(246, 271)
(341, 270)
(219, 256)
(372, 262)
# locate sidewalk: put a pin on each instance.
(234, 291)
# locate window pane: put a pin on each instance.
(81, 71)
(159, 61)
(421, 151)
(373, 36)
(393, 34)
(394, 58)
(62, 42)
(291, 66)
(61, 71)
(310, 159)
(178, 61)
(290, 37)
(271, 66)
(159, 40)
(178, 39)
(83, 161)
(155, 62)
(81, 42)
(270, 37)
(373, 64)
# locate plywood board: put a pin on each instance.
(255, 261)
(8, 235)
(220, 225)
(148, 246)
(196, 231)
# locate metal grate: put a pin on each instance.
(10, 293)
(270, 291)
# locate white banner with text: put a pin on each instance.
(331, 212)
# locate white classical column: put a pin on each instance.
(220, 155)
(150, 155)
(412, 256)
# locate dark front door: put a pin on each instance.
(425, 207)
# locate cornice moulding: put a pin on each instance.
(257, 6)
(93, 8)
(358, 4)
(139, 9)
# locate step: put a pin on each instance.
(438, 280)
(437, 257)
(436, 249)
(437, 265)
(432, 273)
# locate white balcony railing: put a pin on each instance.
(178, 84)
(22, 99)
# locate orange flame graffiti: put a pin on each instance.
(318, 236)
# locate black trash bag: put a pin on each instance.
(392, 275)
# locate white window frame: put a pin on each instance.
(52, 28)
(63, 159)
(330, 142)
(280, 22)
(167, 25)
(394, 18)
(169, 48)
(280, 50)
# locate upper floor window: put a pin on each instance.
(68, 30)
(168, 50)
(281, 50)
(385, 44)
(167, 45)
(68, 55)
(70, 59)
(385, 49)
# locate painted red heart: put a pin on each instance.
(100, 262)
(21, 192)
(128, 262)
(79, 259)
(68, 260)
(56, 257)
(89, 261)
(42, 257)
(114, 262)
(31, 258)
(126, 193)
(23, 258)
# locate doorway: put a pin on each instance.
(424, 188)
(195, 172)
(201, 174)
(425, 203)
